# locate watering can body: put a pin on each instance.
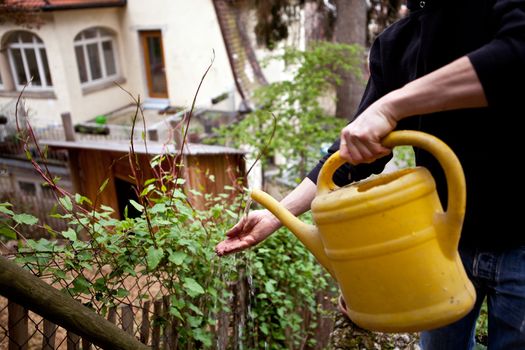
(388, 242)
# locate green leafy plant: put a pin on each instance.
(302, 124)
(286, 282)
(167, 253)
(482, 325)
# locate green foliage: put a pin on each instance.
(482, 326)
(171, 241)
(171, 245)
(404, 157)
(285, 280)
(301, 124)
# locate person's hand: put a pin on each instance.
(361, 139)
(250, 230)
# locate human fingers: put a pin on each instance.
(233, 245)
(357, 149)
(245, 225)
(236, 229)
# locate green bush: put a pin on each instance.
(171, 247)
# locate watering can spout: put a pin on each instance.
(307, 234)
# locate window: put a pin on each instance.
(28, 61)
(95, 52)
(28, 188)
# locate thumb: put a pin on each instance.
(237, 229)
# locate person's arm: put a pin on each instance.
(259, 224)
(453, 86)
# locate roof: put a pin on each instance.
(24, 164)
(153, 147)
(49, 5)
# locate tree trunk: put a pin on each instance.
(315, 22)
(350, 28)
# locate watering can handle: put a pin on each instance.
(446, 157)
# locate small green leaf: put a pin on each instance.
(81, 285)
(264, 328)
(70, 234)
(154, 257)
(175, 312)
(3, 209)
(81, 199)
(106, 208)
(231, 213)
(268, 286)
(194, 321)
(121, 292)
(7, 232)
(159, 208)
(25, 219)
(150, 181)
(136, 205)
(192, 287)
(66, 202)
(103, 186)
(196, 309)
(60, 274)
(147, 190)
(177, 257)
(203, 336)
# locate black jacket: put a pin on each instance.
(488, 141)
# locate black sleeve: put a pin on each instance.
(374, 90)
(500, 64)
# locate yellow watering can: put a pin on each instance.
(388, 242)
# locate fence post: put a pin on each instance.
(127, 319)
(168, 336)
(112, 315)
(73, 341)
(157, 313)
(48, 337)
(240, 307)
(144, 326)
(86, 345)
(17, 326)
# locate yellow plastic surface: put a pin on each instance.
(389, 243)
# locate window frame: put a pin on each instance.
(99, 40)
(36, 45)
(22, 183)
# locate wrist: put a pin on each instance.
(393, 106)
(273, 220)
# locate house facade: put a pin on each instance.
(156, 49)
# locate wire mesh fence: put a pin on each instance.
(138, 302)
(140, 306)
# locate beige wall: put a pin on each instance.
(190, 34)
